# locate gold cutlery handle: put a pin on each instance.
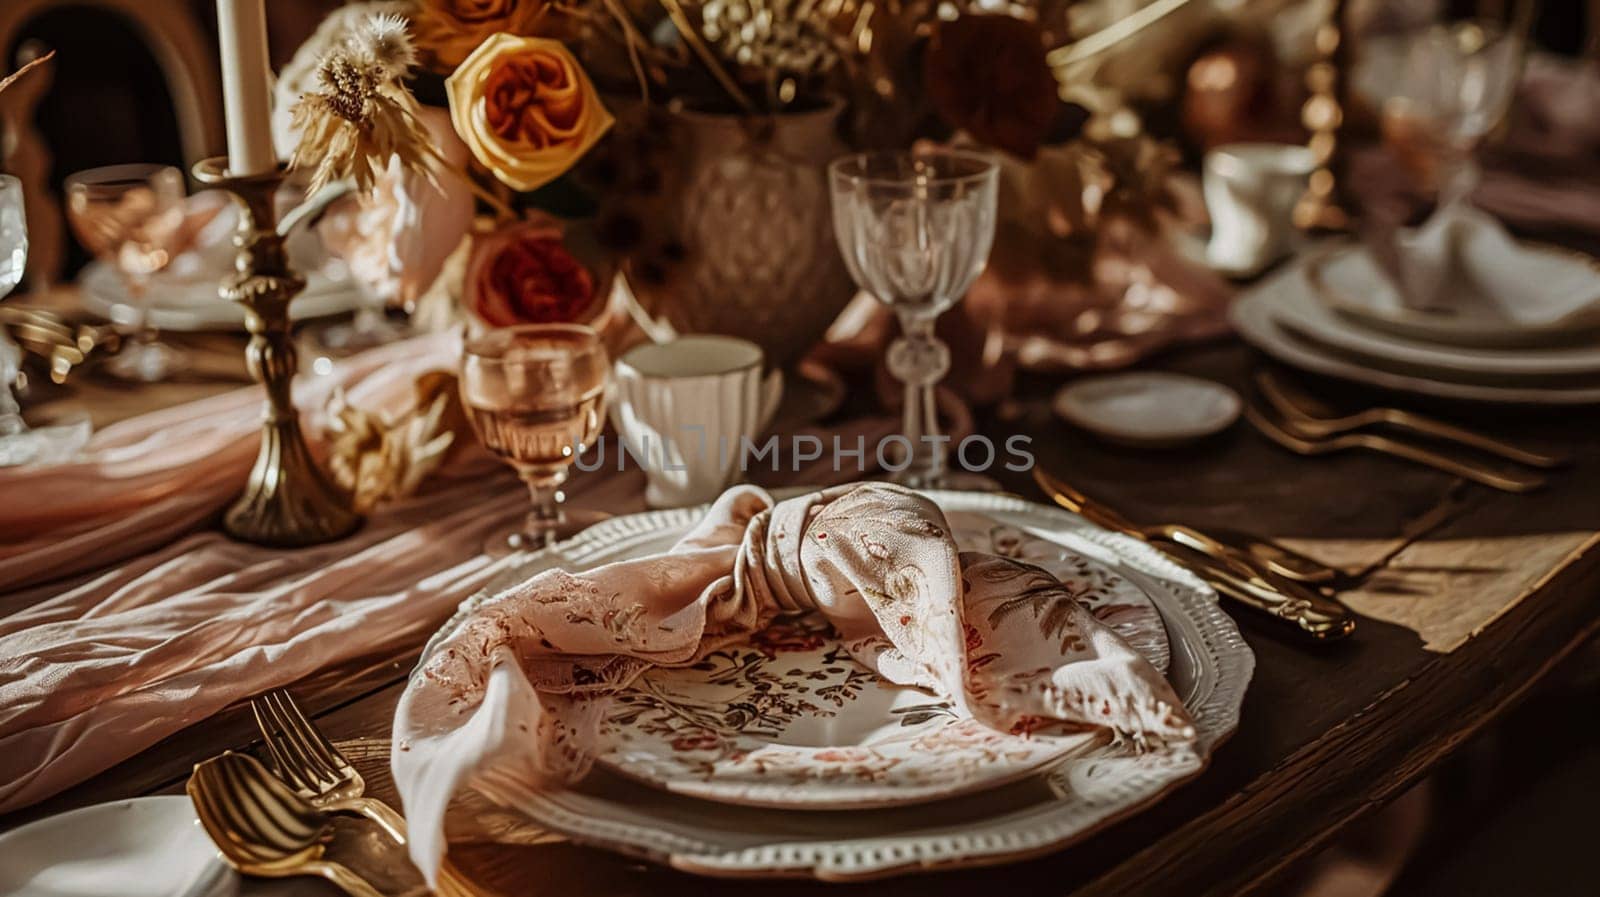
(451, 882)
(379, 812)
(1505, 481)
(1317, 617)
(1438, 429)
(1252, 551)
(1231, 571)
(342, 878)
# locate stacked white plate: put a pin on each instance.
(1332, 313)
(783, 757)
(184, 297)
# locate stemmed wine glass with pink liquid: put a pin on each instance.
(134, 218)
(535, 395)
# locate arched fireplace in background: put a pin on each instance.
(132, 80)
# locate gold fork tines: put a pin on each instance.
(1306, 445)
(261, 827)
(321, 774)
(1301, 411)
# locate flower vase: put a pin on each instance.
(739, 231)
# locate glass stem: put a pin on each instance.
(11, 422)
(544, 521)
(369, 319)
(920, 360)
(1460, 182)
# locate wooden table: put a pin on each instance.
(1328, 733)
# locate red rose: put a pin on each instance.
(987, 75)
(524, 274)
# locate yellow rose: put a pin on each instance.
(447, 30)
(525, 108)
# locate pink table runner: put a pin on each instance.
(124, 619)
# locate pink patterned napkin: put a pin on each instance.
(517, 691)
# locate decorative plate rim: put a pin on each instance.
(1198, 628)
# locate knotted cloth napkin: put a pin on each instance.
(517, 691)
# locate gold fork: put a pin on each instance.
(261, 827)
(320, 773)
(1298, 410)
(1302, 445)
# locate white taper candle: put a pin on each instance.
(246, 85)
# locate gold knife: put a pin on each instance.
(1234, 573)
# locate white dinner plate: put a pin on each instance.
(1253, 315)
(145, 847)
(789, 720)
(1210, 668)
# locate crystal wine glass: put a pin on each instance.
(13, 258)
(20, 444)
(133, 218)
(915, 230)
(1440, 90)
(535, 395)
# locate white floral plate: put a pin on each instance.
(1210, 669)
(790, 720)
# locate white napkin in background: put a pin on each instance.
(1464, 263)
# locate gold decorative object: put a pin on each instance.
(1318, 208)
(377, 459)
(288, 502)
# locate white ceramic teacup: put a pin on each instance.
(685, 409)
(1250, 192)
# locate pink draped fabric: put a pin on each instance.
(144, 481)
(125, 618)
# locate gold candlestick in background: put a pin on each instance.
(1322, 115)
(287, 502)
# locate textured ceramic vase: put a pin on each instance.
(747, 212)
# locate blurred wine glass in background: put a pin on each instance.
(133, 217)
(20, 444)
(13, 258)
(1440, 89)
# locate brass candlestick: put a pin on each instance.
(1319, 208)
(287, 502)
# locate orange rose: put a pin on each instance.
(525, 108)
(524, 274)
(448, 30)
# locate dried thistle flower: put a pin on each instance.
(386, 42)
(362, 115)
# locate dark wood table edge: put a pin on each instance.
(1387, 747)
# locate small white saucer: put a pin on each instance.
(132, 848)
(1148, 409)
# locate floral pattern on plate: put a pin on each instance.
(789, 719)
